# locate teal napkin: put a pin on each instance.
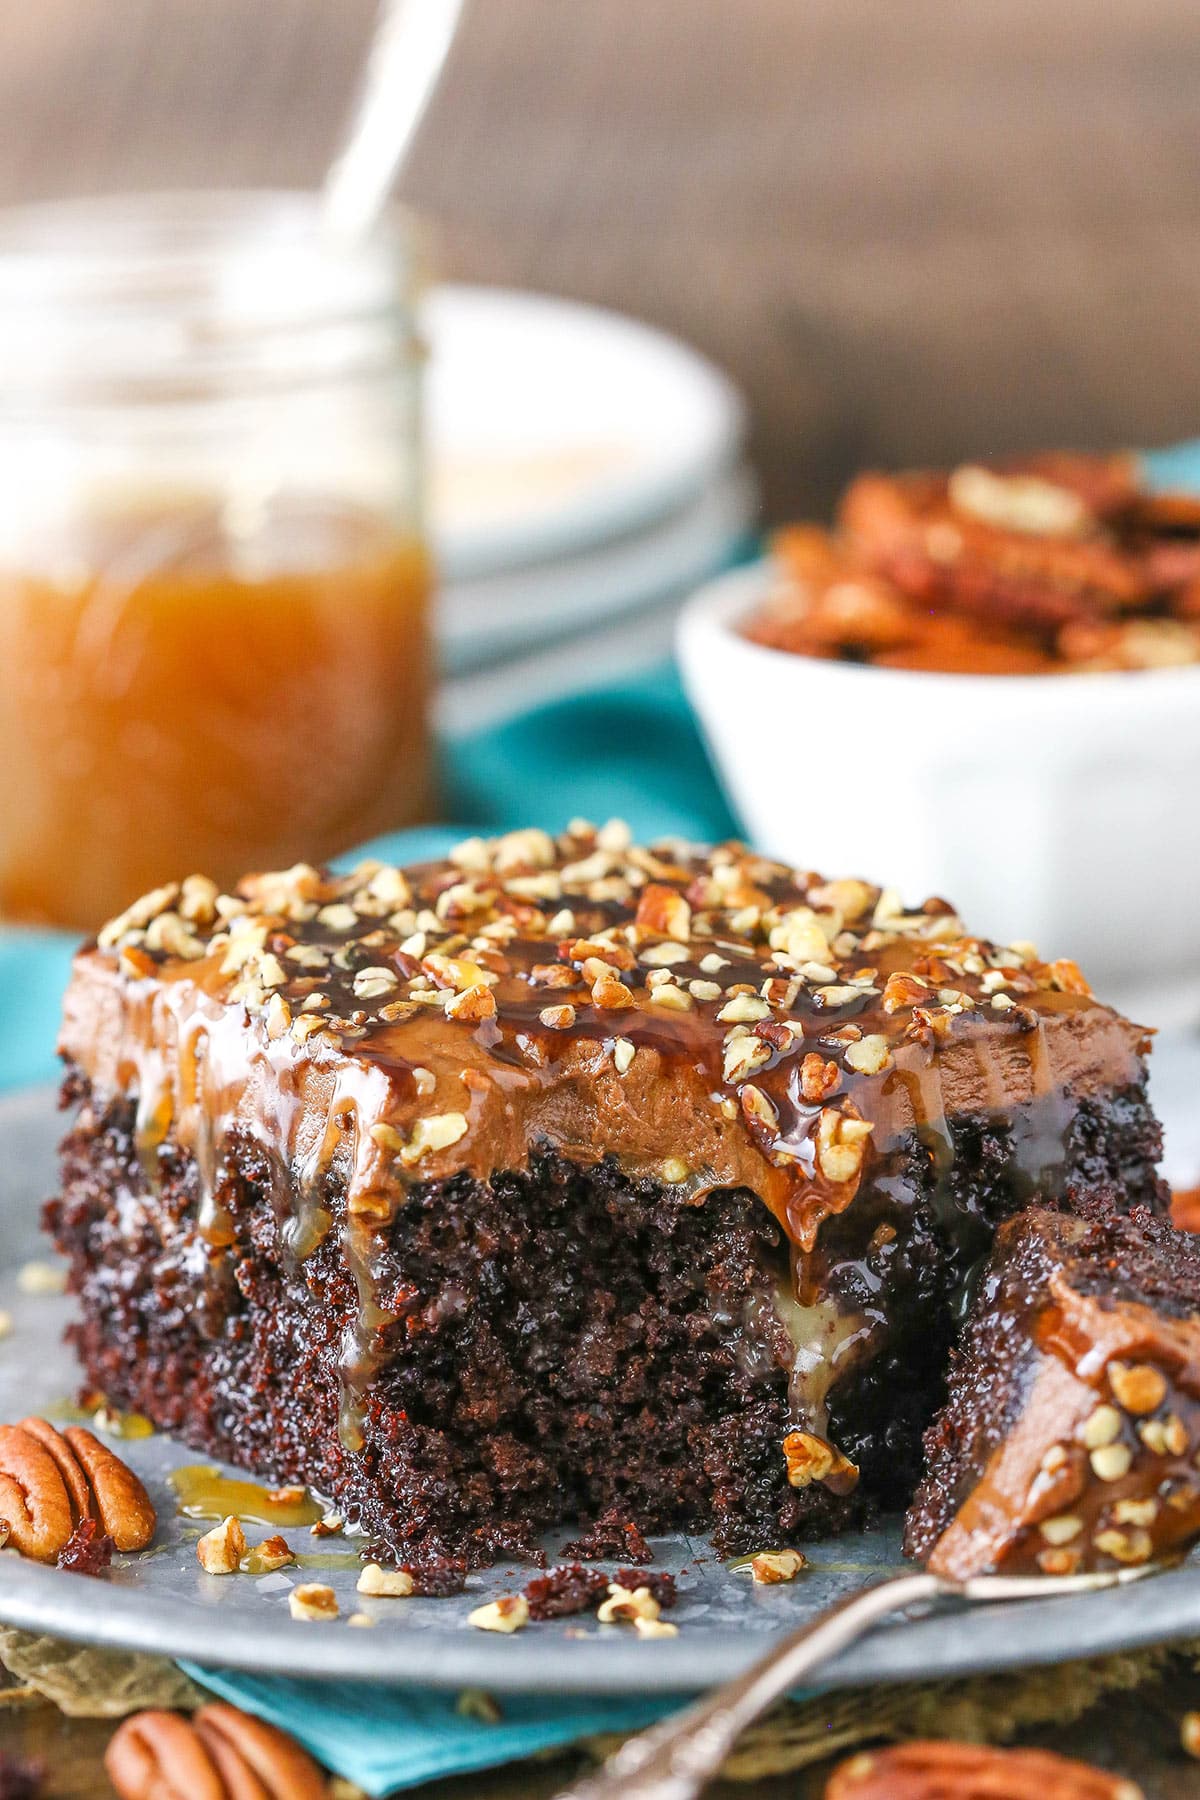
(385, 1741)
(630, 750)
(33, 973)
(1175, 469)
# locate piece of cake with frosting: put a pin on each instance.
(565, 1175)
(1070, 1436)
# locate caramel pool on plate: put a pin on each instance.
(182, 686)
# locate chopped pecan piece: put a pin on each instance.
(811, 1458)
(664, 909)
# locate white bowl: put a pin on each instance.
(1061, 809)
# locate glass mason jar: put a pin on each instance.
(213, 582)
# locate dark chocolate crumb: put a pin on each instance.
(88, 1551)
(503, 1539)
(437, 1577)
(611, 1535)
(659, 1581)
(568, 1589)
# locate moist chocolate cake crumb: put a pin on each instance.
(641, 1303)
(437, 1577)
(613, 1534)
(88, 1551)
(566, 1590)
(571, 1588)
(511, 1541)
(660, 1582)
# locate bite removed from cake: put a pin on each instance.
(1070, 1437)
(565, 1176)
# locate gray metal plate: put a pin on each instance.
(162, 1601)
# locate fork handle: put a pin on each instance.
(674, 1759)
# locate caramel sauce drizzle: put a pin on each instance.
(202, 1492)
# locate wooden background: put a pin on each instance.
(910, 228)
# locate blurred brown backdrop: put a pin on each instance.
(911, 230)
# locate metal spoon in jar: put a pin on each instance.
(408, 52)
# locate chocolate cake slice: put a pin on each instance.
(564, 1178)
(1070, 1436)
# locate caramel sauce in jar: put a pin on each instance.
(213, 585)
(174, 694)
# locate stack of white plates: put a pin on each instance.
(587, 473)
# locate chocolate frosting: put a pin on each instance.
(708, 1018)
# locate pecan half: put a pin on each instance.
(34, 1502)
(51, 1482)
(74, 1479)
(122, 1503)
(236, 1742)
(223, 1754)
(936, 1770)
(158, 1756)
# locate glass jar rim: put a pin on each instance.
(175, 295)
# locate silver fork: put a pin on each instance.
(674, 1760)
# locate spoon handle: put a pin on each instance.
(673, 1760)
(409, 48)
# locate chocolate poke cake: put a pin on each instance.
(1069, 1439)
(566, 1179)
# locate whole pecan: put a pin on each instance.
(51, 1481)
(940, 1770)
(222, 1754)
